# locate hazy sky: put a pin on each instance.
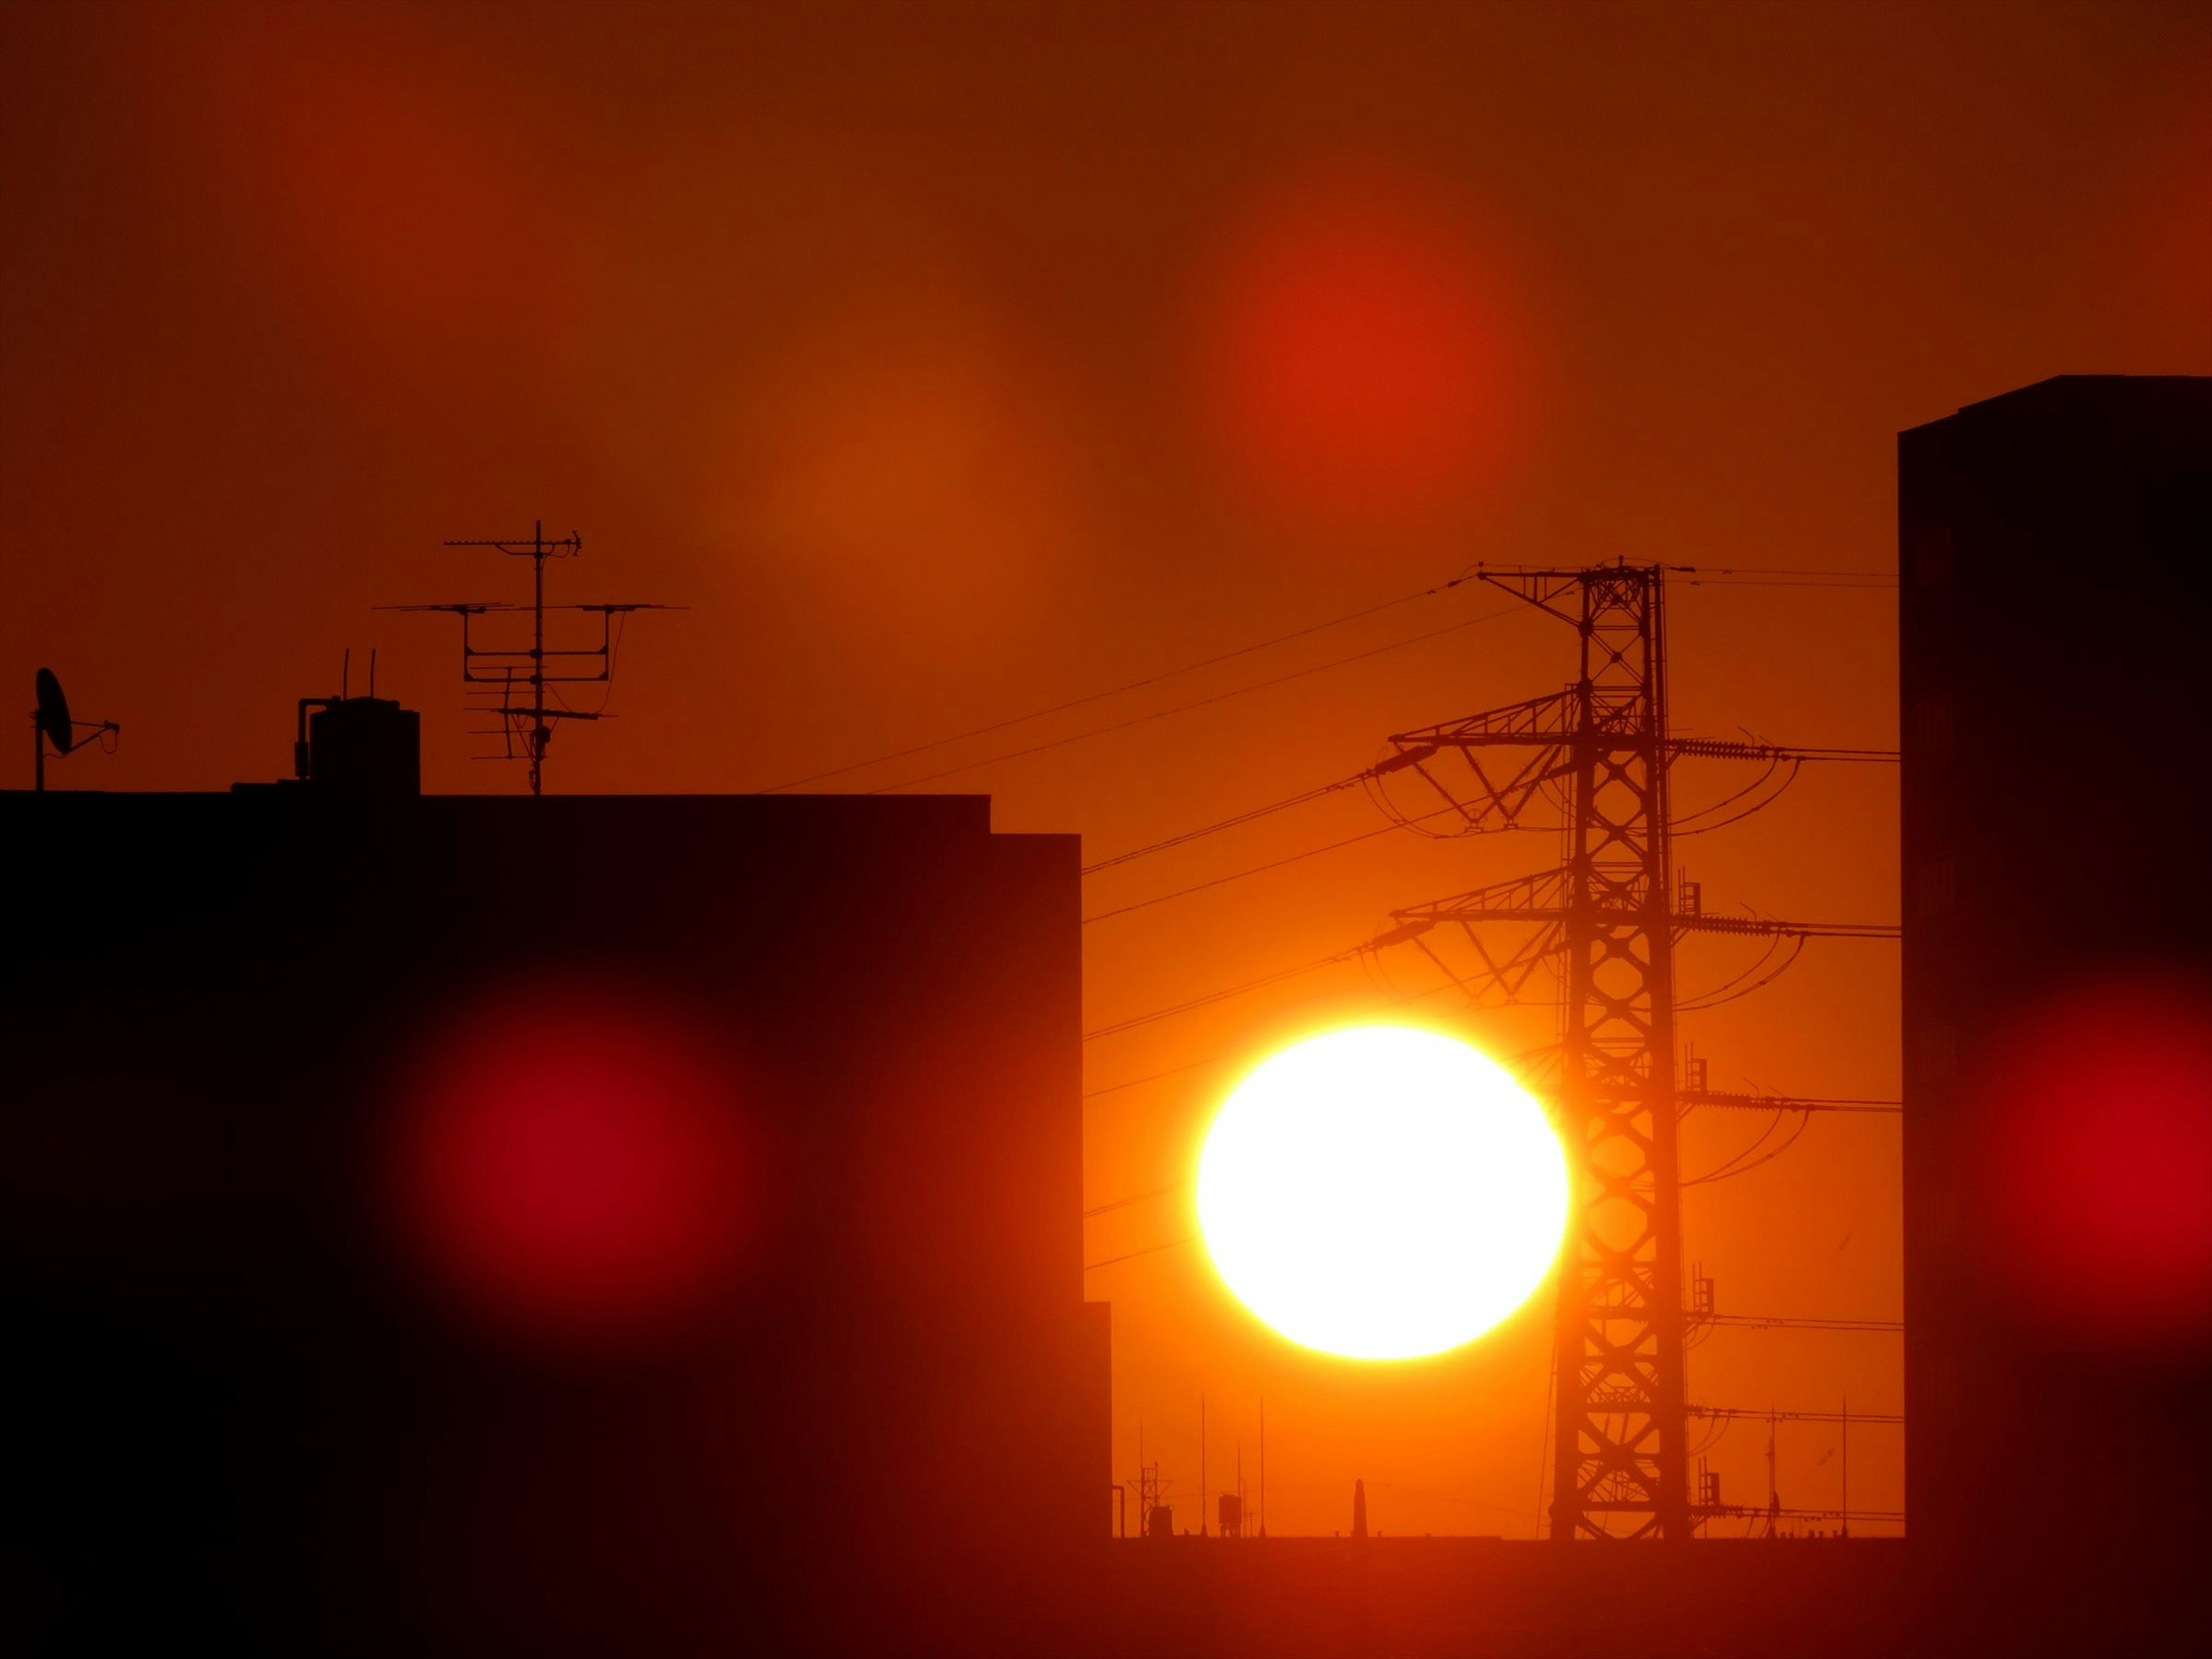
(953, 362)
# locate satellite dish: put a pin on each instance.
(53, 715)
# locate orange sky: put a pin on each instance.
(951, 362)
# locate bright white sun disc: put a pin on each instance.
(1382, 1192)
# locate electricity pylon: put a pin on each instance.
(1612, 911)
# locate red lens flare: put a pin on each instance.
(2096, 1118)
(575, 1167)
(1361, 363)
(373, 165)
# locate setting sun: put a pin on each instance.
(1382, 1192)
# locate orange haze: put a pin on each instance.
(955, 361)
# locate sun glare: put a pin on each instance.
(1382, 1192)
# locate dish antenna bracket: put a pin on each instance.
(51, 724)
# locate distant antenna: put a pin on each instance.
(51, 724)
(519, 683)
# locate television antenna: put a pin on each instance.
(51, 724)
(520, 684)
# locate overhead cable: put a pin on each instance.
(1155, 1077)
(1737, 1165)
(1196, 702)
(1149, 1249)
(1224, 995)
(1118, 690)
(1261, 869)
(1137, 1198)
(1238, 821)
(1398, 1002)
(1772, 1322)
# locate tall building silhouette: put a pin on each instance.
(2056, 548)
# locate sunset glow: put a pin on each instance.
(1382, 1192)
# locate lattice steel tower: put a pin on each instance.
(1612, 911)
(1617, 1451)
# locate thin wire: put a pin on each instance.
(1715, 999)
(1878, 587)
(1115, 691)
(1774, 943)
(1391, 1001)
(1255, 814)
(1769, 1103)
(1760, 1323)
(1773, 765)
(1378, 793)
(1727, 1164)
(1212, 997)
(1140, 1198)
(1711, 1439)
(1738, 817)
(1775, 570)
(1773, 1153)
(1544, 1445)
(1736, 1166)
(1149, 1249)
(1261, 869)
(1172, 1071)
(1185, 708)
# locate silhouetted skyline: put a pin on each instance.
(957, 363)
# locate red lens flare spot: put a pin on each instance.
(575, 1167)
(1361, 362)
(370, 164)
(2097, 1117)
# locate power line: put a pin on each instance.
(1185, 708)
(1736, 1165)
(1778, 570)
(1746, 1414)
(1227, 992)
(1776, 1322)
(1149, 1249)
(1730, 1100)
(1886, 585)
(1696, 574)
(1223, 995)
(1238, 820)
(1139, 1198)
(1780, 576)
(1154, 1077)
(1261, 869)
(1118, 690)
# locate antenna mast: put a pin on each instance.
(521, 683)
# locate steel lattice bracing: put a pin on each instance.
(1605, 922)
(1619, 1463)
(1618, 1457)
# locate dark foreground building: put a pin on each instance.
(579, 1226)
(2056, 581)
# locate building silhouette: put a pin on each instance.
(2056, 553)
(280, 1383)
